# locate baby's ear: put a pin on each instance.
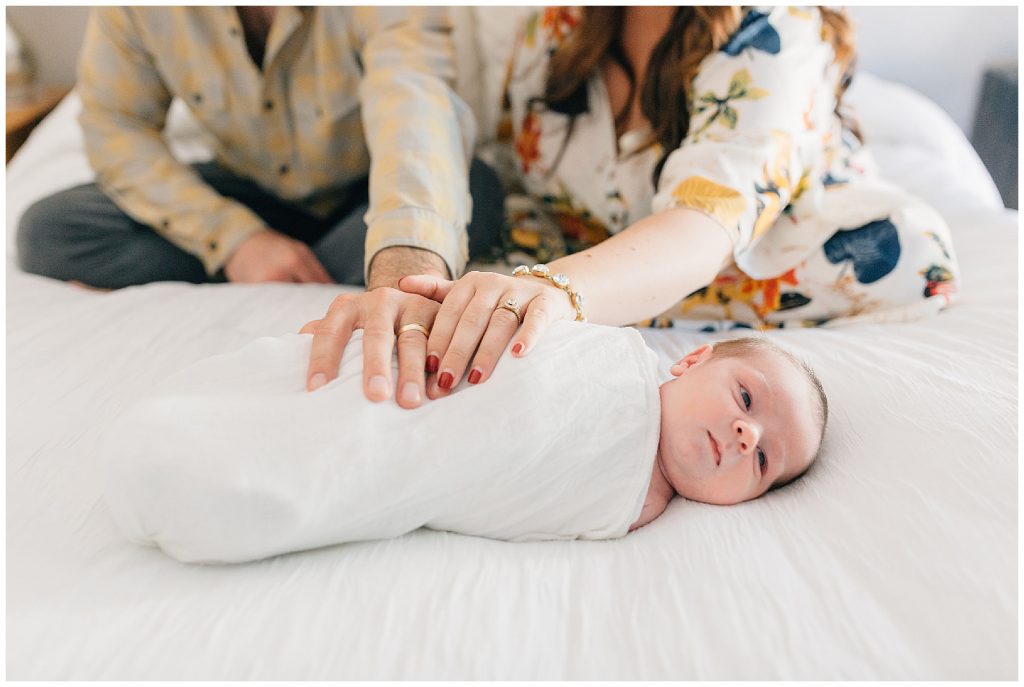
(698, 355)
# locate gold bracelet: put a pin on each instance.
(559, 280)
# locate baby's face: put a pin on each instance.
(732, 427)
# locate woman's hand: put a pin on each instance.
(471, 329)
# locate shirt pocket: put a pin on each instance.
(337, 89)
(206, 97)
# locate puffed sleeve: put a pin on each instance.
(756, 119)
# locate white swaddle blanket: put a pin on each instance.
(230, 459)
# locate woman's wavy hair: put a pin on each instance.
(695, 32)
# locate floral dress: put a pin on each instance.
(817, 235)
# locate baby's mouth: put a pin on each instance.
(714, 450)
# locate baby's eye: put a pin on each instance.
(762, 460)
(746, 398)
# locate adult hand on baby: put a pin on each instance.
(271, 256)
(381, 314)
(471, 321)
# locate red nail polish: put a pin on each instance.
(432, 364)
(474, 376)
(445, 382)
(518, 348)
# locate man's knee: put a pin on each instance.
(41, 231)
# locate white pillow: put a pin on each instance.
(918, 146)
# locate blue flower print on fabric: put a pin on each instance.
(874, 249)
(788, 301)
(937, 278)
(755, 32)
(830, 180)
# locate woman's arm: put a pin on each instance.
(648, 267)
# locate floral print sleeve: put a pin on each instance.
(762, 107)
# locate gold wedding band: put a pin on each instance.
(512, 305)
(412, 326)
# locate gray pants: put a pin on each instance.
(80, 234)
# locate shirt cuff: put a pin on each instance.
(232, 227)
(418, 228)
(220, 250)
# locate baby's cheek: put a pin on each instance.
(729, 488)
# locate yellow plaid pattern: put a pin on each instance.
(339, 86)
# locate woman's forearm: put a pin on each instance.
(648, 267)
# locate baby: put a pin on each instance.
(232, 460)
(740, 418)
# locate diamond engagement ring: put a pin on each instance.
(512, 305)
(412, 326)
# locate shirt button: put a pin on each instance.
(164, 223)
(197, 98)
(213, 245)
(283, 169)
(268, 105)
(233, 31)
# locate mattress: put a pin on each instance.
(894, 558)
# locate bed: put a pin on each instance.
(895, 558)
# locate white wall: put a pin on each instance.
(940, 51)
(54, 35)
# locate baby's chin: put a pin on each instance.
(693, 482)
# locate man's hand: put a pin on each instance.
(381, 313)
(270, 256)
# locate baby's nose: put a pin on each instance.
(747, 435)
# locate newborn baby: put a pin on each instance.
(231, 459)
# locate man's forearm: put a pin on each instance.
(391, 264)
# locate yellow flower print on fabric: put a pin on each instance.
(740, 88)
(725, 204)
(524, 237)
(530, 34)
(505, 130)
(529, 238)
(580, 229)
(775, 185)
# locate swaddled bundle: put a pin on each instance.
(231, 459)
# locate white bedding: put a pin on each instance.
(894, 558)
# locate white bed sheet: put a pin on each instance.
(894, 558)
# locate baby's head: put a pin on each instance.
(740, 418)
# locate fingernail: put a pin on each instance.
(410, 393)
(317, 381)
(474, 376)
(378, 387)
(433, 362)
(445, 381)
(518, 348)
